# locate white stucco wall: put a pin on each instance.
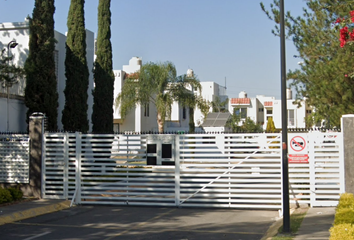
(299, 114)
(210, 90)
(19, 31)
(118, 78)
(90, 52)
(61, 79)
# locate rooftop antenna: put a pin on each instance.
(225, 83)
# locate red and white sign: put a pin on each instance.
(298, 158)
(298, 145)
(298, 152)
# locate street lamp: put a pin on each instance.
(9, 83)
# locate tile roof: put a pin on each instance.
(268, 104)
(244, 101)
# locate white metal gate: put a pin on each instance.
(221, 170)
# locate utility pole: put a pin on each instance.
(285, 164)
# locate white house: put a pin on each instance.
(144, 118)
(210, 91)
(261, 108)
(19, 32)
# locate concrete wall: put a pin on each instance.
(348, 141)
(17, 115)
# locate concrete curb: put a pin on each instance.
(17, 216)
(273, 229)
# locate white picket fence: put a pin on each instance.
(14, 158)
(222, 170)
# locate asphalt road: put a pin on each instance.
(116, 222)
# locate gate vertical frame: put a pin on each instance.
(78, 166)
(311, 150)
(43, 171)
(177, 170)
(66, 165)
(340, 140)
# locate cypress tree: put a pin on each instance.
(76, 71)
(41, 87)
(102, 116)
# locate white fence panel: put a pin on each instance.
(222, 170)
(58, 165)
(114, 170)
(319, 181)
(14, 158)
(328, 168)
(230, 170)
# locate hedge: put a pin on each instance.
(343, 227)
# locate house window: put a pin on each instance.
(146, 110)
(184, 114)
(260, 109)
(241, 112)
(308, 111)
(116, 127)
(291, 118)
(269, 111)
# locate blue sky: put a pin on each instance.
(218, 39)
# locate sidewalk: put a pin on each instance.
(316, 224)
(23, 210)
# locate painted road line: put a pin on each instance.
(37, 236)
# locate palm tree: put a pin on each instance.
(184, 93)
(152, 84)
(218, 105)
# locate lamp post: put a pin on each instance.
(285, 166)
(9, 83)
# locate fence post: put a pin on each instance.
(36, 131)
(78, 167)
(312, 137)
(348, 140)
(177, 170)
(66, 165)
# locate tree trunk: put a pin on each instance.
(160, 122)
(191, 120)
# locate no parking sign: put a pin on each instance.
(298, 144)
(298, 152)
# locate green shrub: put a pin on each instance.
(342, 231)
(346, 200)
(16, 193)
(344, 215)
(343, 227)
(5, 196)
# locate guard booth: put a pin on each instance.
(160, 149)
